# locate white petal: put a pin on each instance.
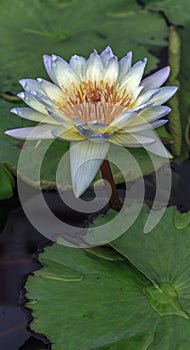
(154, 112)
(156, 80)
(106, 55)
(47, 64)
(86, 158)
(120, 121)
(32, 101)
(144, 118)
(60, 118)
(32, 114)
(30, 85)
(111, 70)
(64, 74)
(133, 78)
(131, 140)
(45, 101)
(159, 123)
(164, 94)
(125, 65)
(135, 93)
(78, 64)
(145, 97)
(69, 134)
(145, 126)
(38, 132)
(94, 68)
(157, 147)
(51, 90)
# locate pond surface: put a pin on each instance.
(20, 244)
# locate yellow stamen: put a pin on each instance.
(92, 100)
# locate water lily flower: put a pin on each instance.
(92, 103)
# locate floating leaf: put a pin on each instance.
(72, 30)
(176, 12)
(122, 307)
(108, 300)
(6, 183)
(181, 220)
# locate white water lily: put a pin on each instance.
(100, 100)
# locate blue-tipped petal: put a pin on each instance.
(94, 68)
(164, 94)
(32, 114)
(47, 64)
(31, 100)
(156, 80)
(30, 85)
(39, 132)
(63, 73)
(124, 65)
(78, 64)
(85, 160)
(159, 123)
(106, 55)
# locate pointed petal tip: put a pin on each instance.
(46, 58)
(167, 69)
(175, 88)
(14, 110)
(168, 110)
(22, 82)
(109, 50)
(21, 95)
(54, 58)
(145, 61)
(10, 133)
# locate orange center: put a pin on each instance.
(92, 100)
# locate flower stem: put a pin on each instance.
(115, 202)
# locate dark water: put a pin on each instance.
(20, 244)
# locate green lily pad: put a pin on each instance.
(70, 27)
(6, 183)
(163, 257)
(176, 12)
(141, 342)
(100, 309)
(126, 309)
(162, 254)
(181, 220)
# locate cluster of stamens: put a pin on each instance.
(92, 100)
